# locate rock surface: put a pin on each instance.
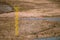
(36, 7)
(30, 29)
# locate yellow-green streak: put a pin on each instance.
(16, 21)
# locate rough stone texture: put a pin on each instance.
(44, 7)
(28, 29)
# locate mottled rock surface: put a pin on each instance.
(30, 29)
